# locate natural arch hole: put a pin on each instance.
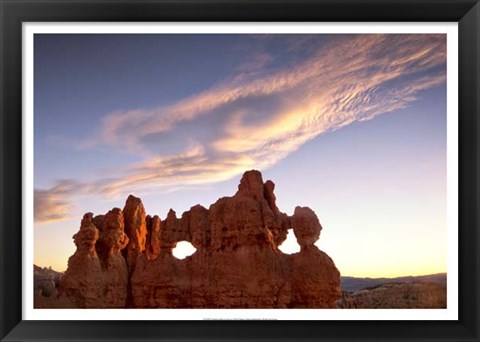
(183, 250)
(290, 245)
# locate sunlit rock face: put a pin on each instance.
(124, 259)
(136, 229)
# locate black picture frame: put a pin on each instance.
(14, 12)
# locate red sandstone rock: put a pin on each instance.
(237, 263)
(306, 226)
(98, 280)
(251, 185)
(153, 236)
(114, 266)
(314, 279)
(136, 229)
(269, 196)
(175, 230)
(112, 236)
(83, 281)
(199, 226)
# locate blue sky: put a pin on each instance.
(353, 126)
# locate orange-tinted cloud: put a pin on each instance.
(344, 75)
(350, 78)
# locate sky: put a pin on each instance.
(352, 126)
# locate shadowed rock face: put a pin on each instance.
(97, 275)
(124, 259)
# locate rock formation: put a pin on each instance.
(136, 229)
(45, 281)
(124, 259)
(97, 275)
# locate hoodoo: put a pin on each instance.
(124, 258)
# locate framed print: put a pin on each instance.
(239, 170)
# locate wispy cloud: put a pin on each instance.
(53, 204)
(347, 71)
(346, 79)
(257, 62)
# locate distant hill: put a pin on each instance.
(352, 284)
(406, 295)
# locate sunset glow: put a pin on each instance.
(352, 126)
